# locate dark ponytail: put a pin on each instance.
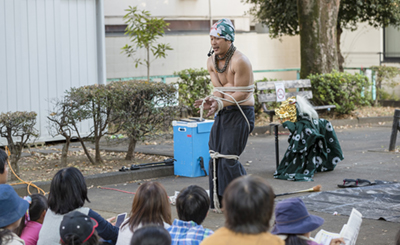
(37, 206)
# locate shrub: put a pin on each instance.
(94, 102)
(342, 89)
(143, 108)
(61, 121)
(17, 128)
(193, 84)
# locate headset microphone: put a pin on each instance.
(210, 52)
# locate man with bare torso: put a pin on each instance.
(233, 103)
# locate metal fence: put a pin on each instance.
(297, 70)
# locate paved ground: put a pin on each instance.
(364, 158)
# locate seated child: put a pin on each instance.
(150, 206)
(192, 206)
(77, 228)
(12, 210)
(294, 224)
(31, 225)
(151, 235)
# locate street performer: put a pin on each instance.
(232, 102)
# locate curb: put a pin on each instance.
(106, 178)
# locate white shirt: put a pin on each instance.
(125, 234)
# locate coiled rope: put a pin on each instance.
(30, 183)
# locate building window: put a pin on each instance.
(115, 29)
(391, 44)
(174, 26)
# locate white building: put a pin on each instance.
(47, 47)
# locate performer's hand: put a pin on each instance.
(207, 104)
(337, 241)
(213, 107)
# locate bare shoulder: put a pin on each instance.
(240, 61)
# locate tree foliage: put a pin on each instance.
(143, 31)
(143, 108)
(282, 16)
(193, 84)
(17, 127)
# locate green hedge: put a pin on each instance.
(193, 84)
(342, 89)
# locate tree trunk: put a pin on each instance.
(64, 152)
(130, 155)
(97, 150)
(318, 22)
(15, 167)
(339, 52)
(15, 154)
(148, 63)
(86, 151)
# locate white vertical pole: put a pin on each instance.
(209, 12)
(101, 50)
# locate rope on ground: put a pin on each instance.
(215, 155)
(114, 189)
(30, 183)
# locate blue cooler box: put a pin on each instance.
(190, 145)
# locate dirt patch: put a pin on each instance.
(41, 163)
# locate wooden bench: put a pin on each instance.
(267, 93)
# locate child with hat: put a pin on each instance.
(77, 228)
(294, 224)
(13, 208)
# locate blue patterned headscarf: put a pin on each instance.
(223, 29)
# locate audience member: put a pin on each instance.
(294, 224)
(30, 226)
(150, 206)
(248, 203)
(68, 192)
(3, 167)
(151, 235)
(192, 206)
(77, 228)
(12, 209)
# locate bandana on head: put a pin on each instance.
(223, 29)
